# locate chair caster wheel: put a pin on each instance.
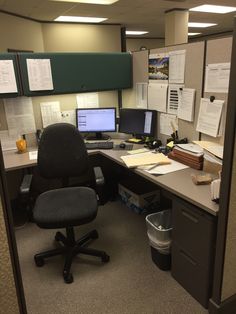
(94, 234)
(105, 258)
(68, 278)
(39, 261)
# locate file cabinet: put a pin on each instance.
(193, 249)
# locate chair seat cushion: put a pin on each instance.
(66, 207)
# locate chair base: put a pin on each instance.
(70, 248)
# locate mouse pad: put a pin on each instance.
(127, 147)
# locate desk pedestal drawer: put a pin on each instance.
(193, 277)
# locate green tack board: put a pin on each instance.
(82, 72)
(13, 57)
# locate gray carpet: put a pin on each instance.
(130, 283)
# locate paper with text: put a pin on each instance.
(186, 104)
(177, 67)
(33, 155)
(164, 169)
(7, 77)
(87, 100)
(51, 112)
(39, 74)
(209, 116)
(8, 141)
(141, 95)
(173, 98)
(168, 124)
(217, 78)
(157, 96)
(20, 115)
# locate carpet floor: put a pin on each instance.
(129, 284)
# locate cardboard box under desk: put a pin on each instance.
(139, 199)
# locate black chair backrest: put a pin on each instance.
(62, 152)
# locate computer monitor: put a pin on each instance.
(139, 122)
(96, 120)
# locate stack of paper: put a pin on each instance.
(215, 190)
(142, 159)
(213, 148)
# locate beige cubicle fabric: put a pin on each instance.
(8, 297)
(218, 51)
(229, 276)
(194, 63)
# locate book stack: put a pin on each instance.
(188, 154)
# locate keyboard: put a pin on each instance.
(99, 145)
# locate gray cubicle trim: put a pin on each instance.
(11, 237)
(216, 305)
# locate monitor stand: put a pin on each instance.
(98, 137)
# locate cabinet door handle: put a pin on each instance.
(188, 258)
(189, 216)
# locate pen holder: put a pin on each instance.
(21, 146)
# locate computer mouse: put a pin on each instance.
(122, 145)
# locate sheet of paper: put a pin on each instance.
(177, 67)
(214, 148)
(209, 116)
(217, 78)
(186, 104)
(51, 112)
(141, 95)
(137, 151)
(68, 116)
(87, 100)
(168, 124)
(33, 155)
(173, 98)
(7, 77)
(158, 67)
(144, 159)
(39, 74)
(164, 169)
(157, 96)
(8, 141)
(20, 115)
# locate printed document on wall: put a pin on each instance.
(217, 78)
(168, 124)
(177, 67)
(20, 115)
(51, 112)
(8, 140)
(141, 95)
(87, 100)
(186, 104)
(7, 77)
(173, 98)
(158, 68)
(209, 116)
(157, 96)
(39, 74)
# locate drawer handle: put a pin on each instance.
(188, 258)
(194, 219)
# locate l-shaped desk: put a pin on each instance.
(194, 220)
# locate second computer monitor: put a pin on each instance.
(139, 122)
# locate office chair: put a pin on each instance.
(62, 154)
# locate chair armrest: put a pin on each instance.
(26, 183)
(99, 177)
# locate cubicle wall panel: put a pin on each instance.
(82, 72)
(218, 51)
(194, 67)
(13, 57)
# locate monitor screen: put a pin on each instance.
(96, 120)
(140, 122)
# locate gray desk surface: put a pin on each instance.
(179, 182)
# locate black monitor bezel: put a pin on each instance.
(100, 131)
(153, 126)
